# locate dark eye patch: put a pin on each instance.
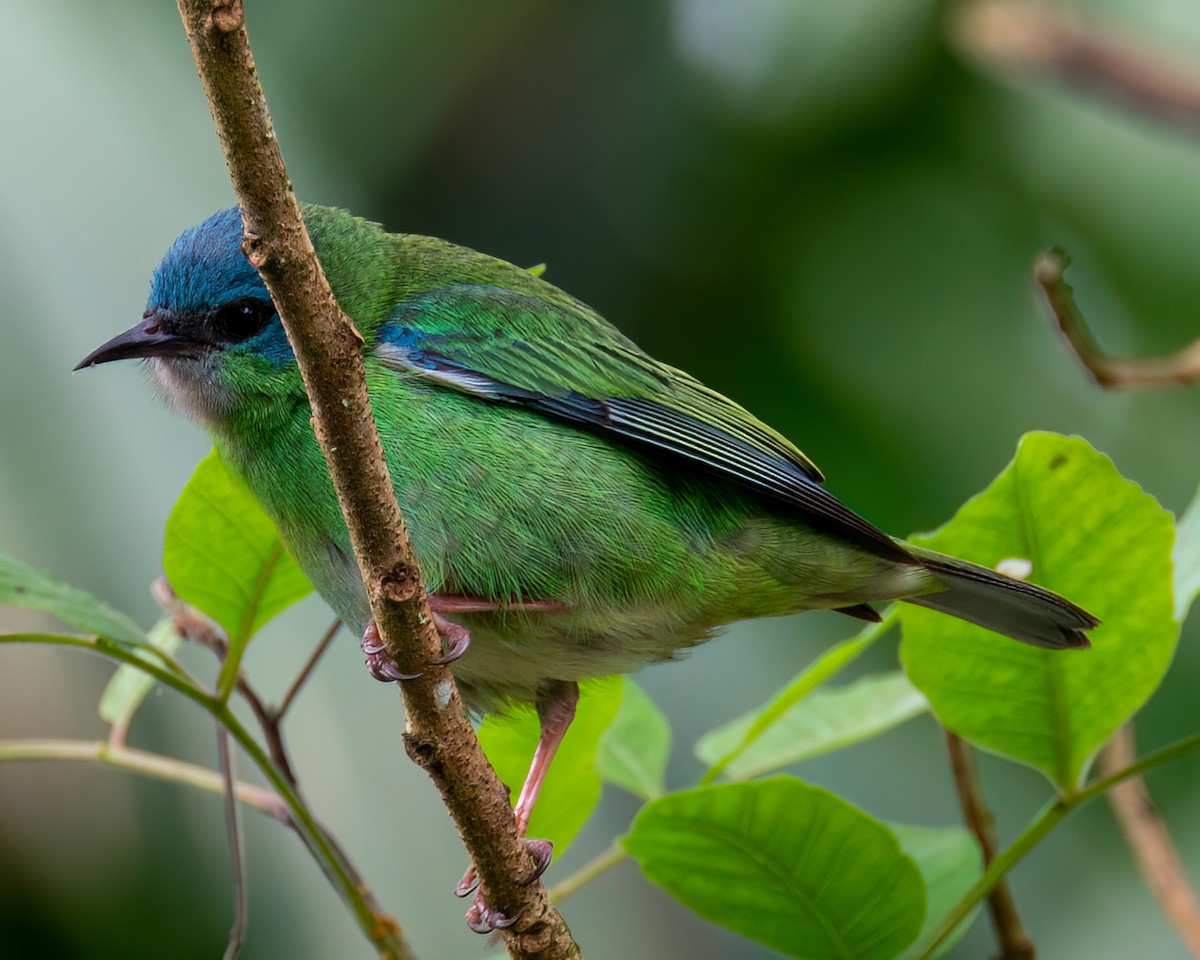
(239, 321)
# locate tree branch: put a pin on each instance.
(1150, 842)
(1022, 35)
(1111, 373)
(1011, 937)
(328, 350)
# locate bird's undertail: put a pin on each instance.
(1005, 604)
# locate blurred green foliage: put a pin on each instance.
(817, 208)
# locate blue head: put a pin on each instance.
(210, 331)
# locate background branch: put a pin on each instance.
(1111, 373)
(328, 350)
(1023, 35)
(1142, 827)
(1011, 937)
(1147, 835)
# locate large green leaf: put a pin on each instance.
(24, 586)
(572, 787)
(1187, 559)
(784, 863)
(950, 862)
(633, 751)
(1097, 539)
(815, 674)
(223, 555)
(828, 720)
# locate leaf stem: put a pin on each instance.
(601, 863)
(816, 673)
(1037, 829)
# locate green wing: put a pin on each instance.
(565, 362)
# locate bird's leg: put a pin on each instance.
(556, 709)
(457, 637)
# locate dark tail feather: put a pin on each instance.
(1013, 607)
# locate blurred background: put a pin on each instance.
(827, 211)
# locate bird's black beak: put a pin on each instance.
(147, 339)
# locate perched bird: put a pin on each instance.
(578, 507)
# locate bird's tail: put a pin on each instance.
(1005, 604)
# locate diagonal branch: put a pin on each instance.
(1147, 835)
(328, 350)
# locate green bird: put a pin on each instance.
(578, 508)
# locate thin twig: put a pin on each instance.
(328, 349)
(305, 671)
(144, 762)
(1112, 373)
(237, 852)
(1011, 938)
(1147, 836)
(1025, 36)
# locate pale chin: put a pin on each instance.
(189, 385)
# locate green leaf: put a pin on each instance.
(817, 672)
(950, 862)
(1097, 539)
(786, 864)
(1187, 559)
(129, 685)
(223, 555)
(633, 751)
(572, 787)
(828, 720)
(24, 586)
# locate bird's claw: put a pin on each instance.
(381, 666)
(458, 639)
(542, 852)
(483, 920)
(468, 883)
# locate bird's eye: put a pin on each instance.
(236, 322)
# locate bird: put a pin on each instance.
(578, 508)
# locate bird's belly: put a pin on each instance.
(514, 654)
